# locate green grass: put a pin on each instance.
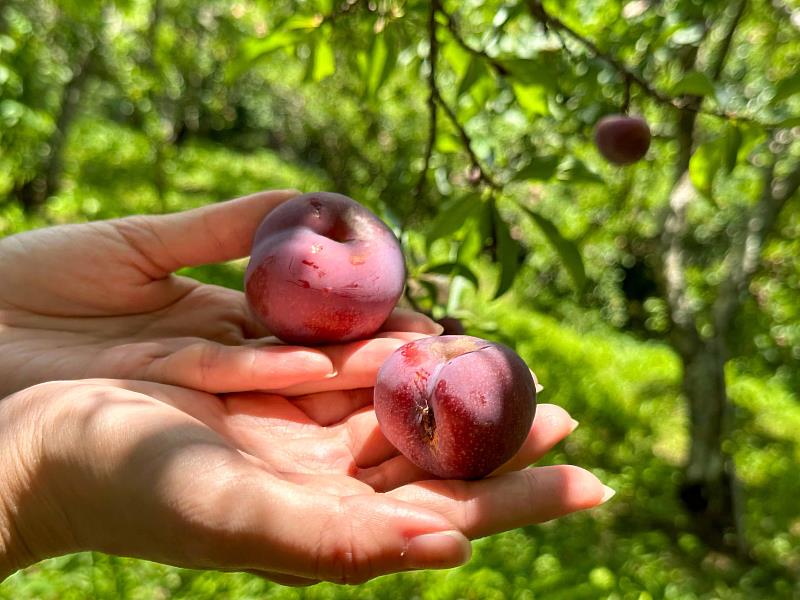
(624, 392)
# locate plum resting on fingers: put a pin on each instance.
(323, 269)
(456, 406)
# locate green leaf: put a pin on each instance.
(476, 234)
(293, 30)
(732, 144)
(566, 249)
(532, 98)
(448, 143)
(452, 216)
(381, 60)
(510, 253)
(431, 289)
(540, 168)
(704, 164)
(695, 83)
(789, 122)
(540, 70)
(576, 171)
(454, 268)
(324, 60)
(787, 87)
(475, 71)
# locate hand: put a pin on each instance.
(101, 300)
(296, 491)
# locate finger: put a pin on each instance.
(392, 473)
(550, 425)
(403, 319)
(213, 233)
(281, 579)
(367, 443)
(327, 408)
(217, 368)
(355, 363)
(538, 386)
(517, 499)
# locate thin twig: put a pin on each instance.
(483, 174)
(539, 13)
(433, 54)
(452, 27)
(435, 98)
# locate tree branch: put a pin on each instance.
(682, 314)
(435, 98)
(686, 104)
(482, 174)
(725, 46)
(433, 54)
(743, 258)
(452, 27)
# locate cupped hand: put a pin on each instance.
(101, 300)
(297, 491)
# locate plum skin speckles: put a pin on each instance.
(456, 406)
(323, 269)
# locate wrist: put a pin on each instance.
(30, 527)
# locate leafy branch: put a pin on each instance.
(684, 103)
(435, 98)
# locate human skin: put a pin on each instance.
(101, 300)
(296, 491)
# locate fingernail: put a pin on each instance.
(608, 493)
(573, 426)
(441, 550)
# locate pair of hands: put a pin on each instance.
(133, 425)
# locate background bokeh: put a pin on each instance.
(641, 296)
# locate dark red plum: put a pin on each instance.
(323, 268)
(621, 139)
(456, 406)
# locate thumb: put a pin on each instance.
(210, 234)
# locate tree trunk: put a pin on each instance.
(708, 489)
(33, 193)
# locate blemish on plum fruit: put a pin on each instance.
(421, 377)
(410, 353)
(303, 283)
(311, 264)
(316, 248)
(357, 259)
(428, 422)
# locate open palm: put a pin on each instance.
(297, 491)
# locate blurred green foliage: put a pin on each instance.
(140, 106)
